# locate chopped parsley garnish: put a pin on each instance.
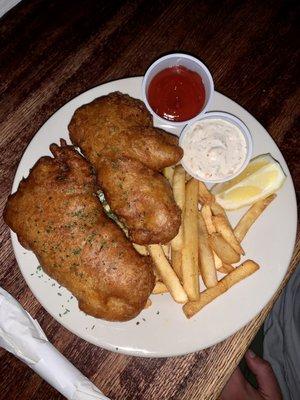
(76, 251)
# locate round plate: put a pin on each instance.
(163, 330)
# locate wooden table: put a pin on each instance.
(51, 51)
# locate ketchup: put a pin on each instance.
(176, 93)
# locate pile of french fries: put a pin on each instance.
(205, 246)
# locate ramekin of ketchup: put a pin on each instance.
(177, 88)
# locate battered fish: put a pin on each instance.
(116, 128)
(56, 214)
(141, 198)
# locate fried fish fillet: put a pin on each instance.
(118, 125)
(151, 146)
(115, 127)
(134, 193)
(56, 214)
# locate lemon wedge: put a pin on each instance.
(262, 177)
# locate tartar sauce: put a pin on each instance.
(214, 149)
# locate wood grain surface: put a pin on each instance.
(52, 50)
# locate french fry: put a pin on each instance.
(244, 270)
(206, 257)
(190, 276)
(168, 173)
(179, 196)
(251, 216)
(167, 273)
(148, 303)
(205, 197)
(207, 215)
(223, 250)
(157, 275)
(188, 177)
(166, 250)
(222, 269)
(141, 249)
(176, 259)
(217, 209)
(226, 268)
(218, 261)
(223, 226)
(159, 288)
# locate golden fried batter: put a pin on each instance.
(116, 127)
(148, 205)
(151, 146)
(56, 214)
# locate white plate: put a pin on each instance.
(162, 330)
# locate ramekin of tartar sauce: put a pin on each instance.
(217, 147)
